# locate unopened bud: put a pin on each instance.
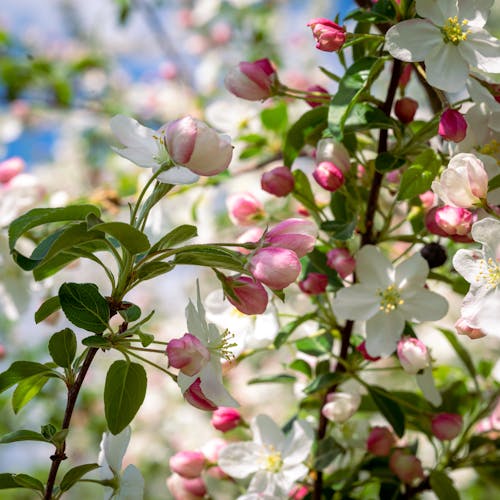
(279, 181)
(446, 426)
(452, 126)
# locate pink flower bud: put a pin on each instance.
(452, 126)
(10, 168)
(244, 209)
(275, 267)
(464, 327)
(394, 176)
(449, 221)
(221, 32)
(195, 486)
(251, 296)
(362, 349)
(3, 351)
(405, 76)
(251, 80)
(252, 235)
(341, 406)
(279, 181)
(328, 176)
(427, 199)
(341, 261)
(314, 283)
(380, 441)
(187, 464)
(298, 492)
(176, 486)
(195, 397)
(187, 354)
(334, 152)
(315, 92)
(405, 109)
(193, 144)
(329, 35)
(298, 235)
(407, 467)
(225, 419)
(412, 355)
(446, 426)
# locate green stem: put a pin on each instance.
(145, 360)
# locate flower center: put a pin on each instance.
(162, 158)
(489, 273)
(272, 461)
(454, 31)
(223, 347)
(491, 149)
(390, 299)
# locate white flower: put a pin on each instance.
(449, 39)
(386, 297)
(250, 332)
(205, 389)
(481, 268)
(275, 460)
(130, 485)
(146, 148)
(481, 95)
(341, 406)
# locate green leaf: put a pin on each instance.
(494, 183)
(84, 306)
(301, 366)
(7, 481)
(131, 313)
(281, 378)
(365, 116)
(146, 338)
(211, 256)
(324, 382)
(316, 262)
(355, 81)
(328, 450)
(22, 435)
(389, 408)
(178, 235)
(308, 128)
(151, 270)
(75, 474)
(20, 370)
(442, 486)
(275, 118)
(47, 308)
(26, 390)
(62, 347)
(288, 329)
(302, 190)
(462, 353)
(40, 216)
(26, 481)
(124, 392)
(130, 238)
(97, 341)
(418, 177)
(385, 162)
(341, 230)
(315, 346)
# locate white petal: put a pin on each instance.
(476, 12)
(130, 132)
(424, 305)
(383, 332)
(177, 175)
(240, 459)
(131, 484)
(140, 156)
(489, 315)
(468, 264)
(288, 476)
(412, 272)
(358, 302)
(298, 443)
(482, 51)
(114, 448)
(412, 40)
(212, 386)
(487, 232)
(263, 486)
(265, 431)
(437, 12)
(196, 322)
(446, 68)
(426, 383)
(373, 268)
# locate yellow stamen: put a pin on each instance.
(390, 299)
(223, 348)
(489, 273)
(453, 31)
(272, 461)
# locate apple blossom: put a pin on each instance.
(361, 348)
(449, 221)
(335, 152)
(380, 441)
(244, 209)
(341, 261)
(198, 147)
(251, 80)
(463, 327)
(449, 39)
(177, 486)
(315, 92)
(275, 267)
(196, 486)
(446, 426)
(407, 467)
(386, 297)
(250, 297)
(328, 176)
(405, 109)
(273, 459)
(413, 355)
(187, 354)
(329, 35)
(314, 283)
(279, 181)
(341, 406)
(452, 125)
(296, 234)
(189, 464)
(225, 419)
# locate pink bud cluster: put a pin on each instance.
(452, 222)
(332, 164)
(329, 35)
(452, 126)
(253, 81)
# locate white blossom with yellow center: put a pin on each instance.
(273, 458)
(386, 297)
(481, 268)
(450, 39)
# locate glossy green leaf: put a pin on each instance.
(22, 435)
(131, 313)
(340, 230)
(365, 116)
(84, 306)
(96, 341)
(385, 162)
(30, 482)
(178, 235)
(315, 346)
(442, 486)
(124, 392)
(20, 370)
(275, 117)
(130, 238)
(301, 366)
(280, 378)
(26, 390)
(324, 381)
(418, 177)
(47, 308)
(62, 347)
(7, 481)
(151, 270)
(211, 256)
(389, 408)
(146, 338)
(302, 190)
(75, 474)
